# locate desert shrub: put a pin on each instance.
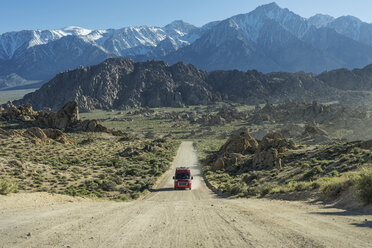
(108, 185)
(135, 195)
(135, 187)
(266, 189)
(333, 186)
(236, 189)
(253, 175)
(314, 161)
(365, 185)
(7, 187)
(334, 173)
(315, 171)
(97, 185)
(124, 198)
(134, 171)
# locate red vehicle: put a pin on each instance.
(182, 178)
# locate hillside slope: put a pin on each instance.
(121, 83)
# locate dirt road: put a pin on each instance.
(197, 218)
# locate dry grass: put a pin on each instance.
(91, 167)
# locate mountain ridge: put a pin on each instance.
(269, 38)
(121, 83)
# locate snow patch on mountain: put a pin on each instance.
(320, 20)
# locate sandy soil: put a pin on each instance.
(196, 218)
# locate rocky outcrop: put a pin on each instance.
(267, 159)
(120, 83)
(294, 111)
(66, 118)
(290, 130)
(227, 161)
(38, 135)
(57, 135)
(233, 151)
(210, 120)
(276, 141)
(240, 142)
(313, 130)
(267, 153)
(243, 150)
(92, 126)
(314, 135)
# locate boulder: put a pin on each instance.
(267, 153)
(57, 135)
(227, 161)
(219, 164)
(267, 159)
(211, 120)
(276, 141)
(240, 142)
(26, 118)
(26, 110)
(36, 133)
(12, 113)
(92, 126)
(40, 136)
(313, 130)
(67, 115)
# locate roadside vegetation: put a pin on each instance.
(7, 187)
(96, 165)
(330, 170)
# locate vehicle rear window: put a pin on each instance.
(182, 175)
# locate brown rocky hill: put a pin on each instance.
(120, 83)
(357, 79)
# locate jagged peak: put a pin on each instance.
(77, 30)
(180, 25)
(320, 20)
(271, 5)
(349, 18)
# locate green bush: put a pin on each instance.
(236, 189)
(7, 187)
(333, 186)
(266, 189)
(365, 185)
(315, 171)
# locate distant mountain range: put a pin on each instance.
(267, 39)
(121, 83)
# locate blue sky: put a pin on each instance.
(94, 14)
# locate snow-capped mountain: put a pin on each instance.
(269, 38)
(320, 20)
(40, 54)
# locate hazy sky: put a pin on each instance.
(94, 14)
